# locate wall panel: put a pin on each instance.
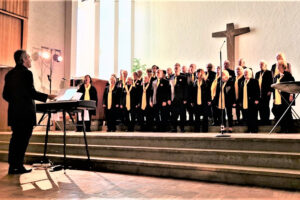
(17, 7)
(10, 38)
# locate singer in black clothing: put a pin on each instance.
(249, 99)
(128, 103)
(20, 94)
(282, 100)
(191, 77)
(265, 80)
(200, 100)
(179, 99)
(225, 99)
(237, 84)
(89, 92)
(111, 104)
(146, 105)
(160, 99)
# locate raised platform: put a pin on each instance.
(245, 159)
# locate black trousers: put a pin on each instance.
(129, 118)
(191, 113)
(160, 114)
(264, 109)
(228, 112)
(147, 118)
(111, 118)
(178, 109)
(238, 111)
(216, 115)
(251, 116)
(18, 144)
(86, 123)
(201, 111)
(286, 123)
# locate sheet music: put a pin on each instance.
(66, 94)
(77, 96)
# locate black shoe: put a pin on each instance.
(229, 131)
(21, 170)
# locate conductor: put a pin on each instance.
(20, 94)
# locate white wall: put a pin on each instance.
(167, 32)
(46, 27)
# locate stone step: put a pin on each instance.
(231, 174)
(210, 156)
(250, 142)
(97, 125)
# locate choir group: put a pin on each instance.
(163, 100)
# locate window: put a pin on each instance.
(124, 46)
(85, 51)
(107, 39)
(115, 37)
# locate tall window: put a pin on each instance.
(124, 47)
(115, 33)
(85, 51)
(115, 37)
(107, 39)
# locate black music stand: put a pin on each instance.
(292, 87)
(64, 112)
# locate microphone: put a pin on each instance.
(222, 45)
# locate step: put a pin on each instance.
(250, 142)
(211, 156)
(255, 176)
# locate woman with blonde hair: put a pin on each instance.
(280, 57)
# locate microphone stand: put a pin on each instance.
(50, 73)
(222, 127)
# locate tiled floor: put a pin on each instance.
(75, 184)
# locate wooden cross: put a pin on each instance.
(230, 34)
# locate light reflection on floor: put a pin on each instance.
(76, 184)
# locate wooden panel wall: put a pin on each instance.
(100, 87)
(10, 38)
(13, 29)
(3, 103)
(13, 36)
(17, 7)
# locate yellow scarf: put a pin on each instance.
(245, 95)
(109, 97)
(213, 87)
(277, 94)
(260, 80)
(236, 86)
(128, 96)
(87, 93)
(199, 100)
(144, 97)
(222, 94)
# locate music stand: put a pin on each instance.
(292, 87)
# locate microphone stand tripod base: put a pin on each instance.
(222, 132)
(222, 135)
